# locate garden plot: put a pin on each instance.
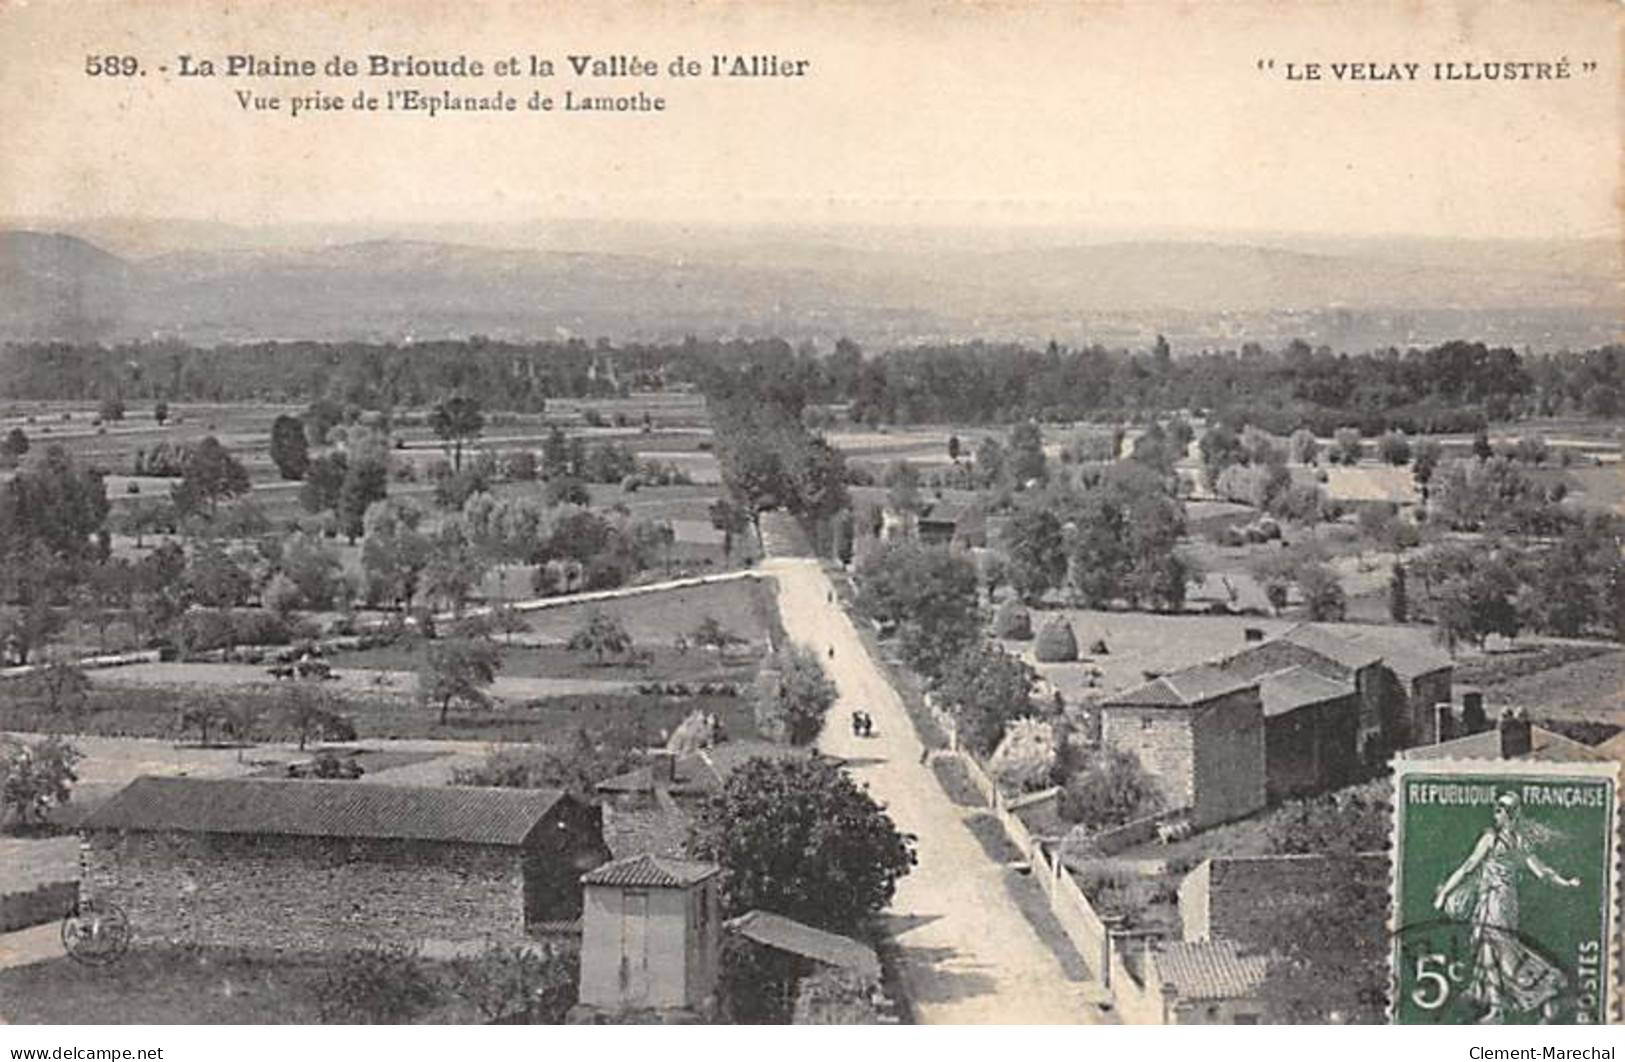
(1371, 483)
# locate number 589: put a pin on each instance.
(112, 66)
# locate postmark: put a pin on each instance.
(1504, 892)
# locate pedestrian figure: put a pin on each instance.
(832, 652)
(857, 724)
(868, 726)
(925, 754)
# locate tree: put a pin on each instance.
(1347, 447)
(1394, 448)
(1304, 446)
(985, 688)
(202, 713)
(1036, 551)
(457, 419)
(366, 480)
(454, 567)
(1027, 463)
(903, 490)
(160, 412)
(796, 836)
(314, 568)
(35, 775)
(458, 670)
(309, 711)
(1425, 460)
(802, 698)
(54, 503)
(712, 634)
(602, 633)
(209, 475)
(1481, 446)
(1110, 789)
(1025, 759)
(731, 520)
(16, 444)
(324, 480)
(953, 448)
(394, 552)
(990, 461)
(1322, 593)
(60, 682)
(288, 448)
(1399, 608)
(929, 593)
(111, 409)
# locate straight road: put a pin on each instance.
(968, 955)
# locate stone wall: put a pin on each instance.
(305, 893)
(1313, 748)
(1228, 768)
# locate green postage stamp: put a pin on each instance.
(1504, 900)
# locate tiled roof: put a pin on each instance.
(645, 831)
(1186, 688)
(1292, 688)
(1544, 745)
(1210, 969)
(786, 934)
(327, 809)
(650, 872)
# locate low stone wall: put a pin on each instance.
(41, 904)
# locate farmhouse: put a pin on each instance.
(316, 865)
(1199, 732)
(1396, 682)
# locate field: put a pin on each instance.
(1591, 688)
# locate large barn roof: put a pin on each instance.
(327, 809)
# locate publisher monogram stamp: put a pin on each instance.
(1504, 893)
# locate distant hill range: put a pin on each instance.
(208, 285)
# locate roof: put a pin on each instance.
(786, 934)
(1544, 746)
(1186, 688)
(1210, 969)
(327, 809)
(1614, 747)
(1292, 688)
(648, 871)
(654, 830)
(693, 776)
(1337, 646)
(1407, 652)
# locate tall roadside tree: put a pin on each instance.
(458, 419)
(929, 593)
(458, 671)
(799, 838)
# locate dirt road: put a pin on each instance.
(968, 956)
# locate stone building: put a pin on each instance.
(1199, 733)
(316, 865)
(1311, 726)
(651, 936)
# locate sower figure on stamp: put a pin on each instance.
(1507, 973)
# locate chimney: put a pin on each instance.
(1253, 634)
(1445, 722)
(1515, 737)
(663, 766)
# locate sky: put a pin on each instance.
(1135, 115)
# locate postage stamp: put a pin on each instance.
(1505, 892)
